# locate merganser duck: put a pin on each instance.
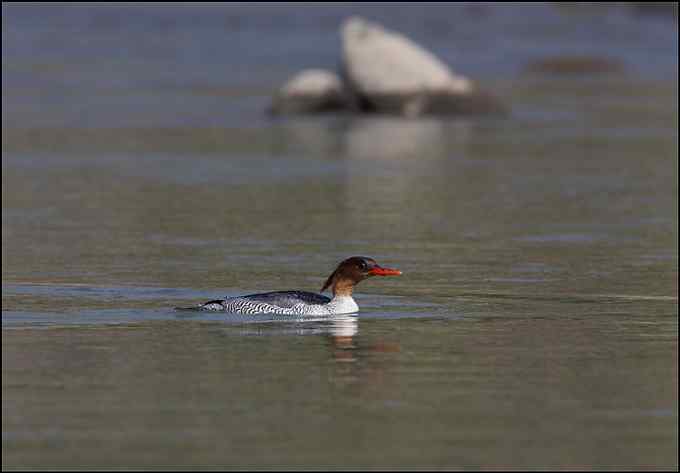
(341, 281)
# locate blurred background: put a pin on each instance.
(536, 321)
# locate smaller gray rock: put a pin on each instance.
(310, 91)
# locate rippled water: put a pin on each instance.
(536, 320)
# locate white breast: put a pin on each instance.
(342, 305)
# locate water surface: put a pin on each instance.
(535, 324)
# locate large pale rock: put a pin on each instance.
(312, 90)
(387, 72)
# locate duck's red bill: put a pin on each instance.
(378, 271)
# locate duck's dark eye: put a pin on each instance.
(363, 266)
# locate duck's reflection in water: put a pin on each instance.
(341, 331)
(357, 362)
(361, 362)
(342, 335)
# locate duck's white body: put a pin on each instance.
(285, 303)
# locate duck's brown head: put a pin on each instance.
(352, 271)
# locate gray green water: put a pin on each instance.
(536, 321)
